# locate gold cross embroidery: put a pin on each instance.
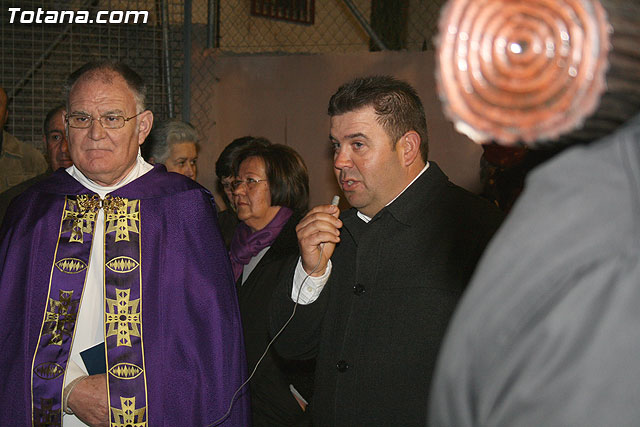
(82, 215)
(61, 317)
(45, 415)
(123, 317)
(128, 415)
(123, 216)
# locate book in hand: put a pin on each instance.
(94, 359)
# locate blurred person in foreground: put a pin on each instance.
(18, 161)
(55, 140)
(271, 193)
(548, 333)
(118, 309)
(376, 286)
(174, 143)
(224, 171)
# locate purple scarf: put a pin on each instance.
(246, 244)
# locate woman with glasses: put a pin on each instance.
(271, 193)
(227, 218)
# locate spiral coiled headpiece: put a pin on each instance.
(521, 70)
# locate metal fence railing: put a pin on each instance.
(338, 26)
(335, 28)
(35, 58)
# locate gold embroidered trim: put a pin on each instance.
(128, 416)
(123, 216)
(48, 370)
(122, 264)
(83, 213)
(71, 265)
(125, 371)
(60, 318)
(123, 317)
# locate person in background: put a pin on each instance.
(271, 193)
(18, 161)
(174, 143)
(224, 171)
(376, 287)
(115, 285)
(54, 137)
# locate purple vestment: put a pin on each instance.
(174, 346)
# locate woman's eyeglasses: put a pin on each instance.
(250, 182)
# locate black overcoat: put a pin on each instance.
(377, 326)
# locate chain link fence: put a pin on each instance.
(335, 27)
(36, 57)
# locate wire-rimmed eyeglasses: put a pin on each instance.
(108, 121)
(250, 182)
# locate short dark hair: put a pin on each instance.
(224, 164)
(103, 70)
(50, 115)
(395, 102)
(286, 174)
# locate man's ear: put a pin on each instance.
(409, 145)
(145, 122)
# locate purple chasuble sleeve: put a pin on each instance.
(191, 334)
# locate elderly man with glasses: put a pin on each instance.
(115, 289)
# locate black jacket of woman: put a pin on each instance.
(272, 402)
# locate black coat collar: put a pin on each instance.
(407, 208)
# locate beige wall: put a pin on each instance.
(284, 98)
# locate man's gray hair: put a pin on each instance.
(104, 70)
(169, 132)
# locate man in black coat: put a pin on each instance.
(384, 279)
